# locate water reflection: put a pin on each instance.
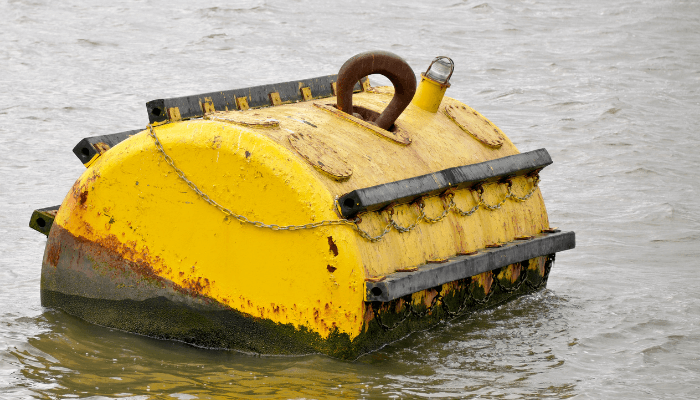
(501, 351)
(494, 353)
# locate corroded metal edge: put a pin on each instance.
(406, 190)
(431, 275)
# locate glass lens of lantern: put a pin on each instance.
(440, 70)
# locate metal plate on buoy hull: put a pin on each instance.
(475, 124)
(319, 154)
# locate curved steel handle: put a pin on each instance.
(378, 62)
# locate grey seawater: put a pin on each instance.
(611, 89)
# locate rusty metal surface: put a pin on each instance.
(378, 62)
(76, 266)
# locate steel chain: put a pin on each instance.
(353, 223)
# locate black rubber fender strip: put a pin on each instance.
(256, 96)
(87, 148)
(406, 190)
(429, 275)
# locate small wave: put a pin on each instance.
(483, 8)
(510, 92)
(254, 5)
(568, 105)
(641, 171)
(93, 43)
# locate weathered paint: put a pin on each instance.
(475, 124)
(131, 203)
(97, 284)
(320, 154)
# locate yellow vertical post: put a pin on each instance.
(429, 94)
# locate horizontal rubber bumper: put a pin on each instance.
(258, 96)
(87, 148)
(406, 190)
(427, 276)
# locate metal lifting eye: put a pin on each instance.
(378, 62)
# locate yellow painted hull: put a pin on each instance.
(135, 246)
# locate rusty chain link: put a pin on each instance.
(354, 223)
(469, 298)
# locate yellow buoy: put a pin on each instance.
(322, 215)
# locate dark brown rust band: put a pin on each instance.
(378, 62)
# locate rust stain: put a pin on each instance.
(101, 147)
(368, 316)
(216, 142)
(53, 254)
(195, 287)
(429, 296)
(83, 197)
(127, 263)
(515, 271)
(79, 192)
(332, 246)
(524, 237)
(485, 280)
